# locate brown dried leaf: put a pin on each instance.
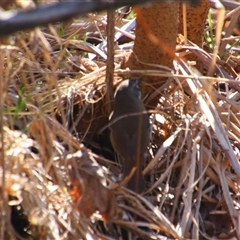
(88, 192)
(78, 63)
(88, 64)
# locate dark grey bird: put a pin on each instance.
(130, 131)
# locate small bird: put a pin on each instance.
(130, 131)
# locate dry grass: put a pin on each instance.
(52, 99)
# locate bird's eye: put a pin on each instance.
(137, 86)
